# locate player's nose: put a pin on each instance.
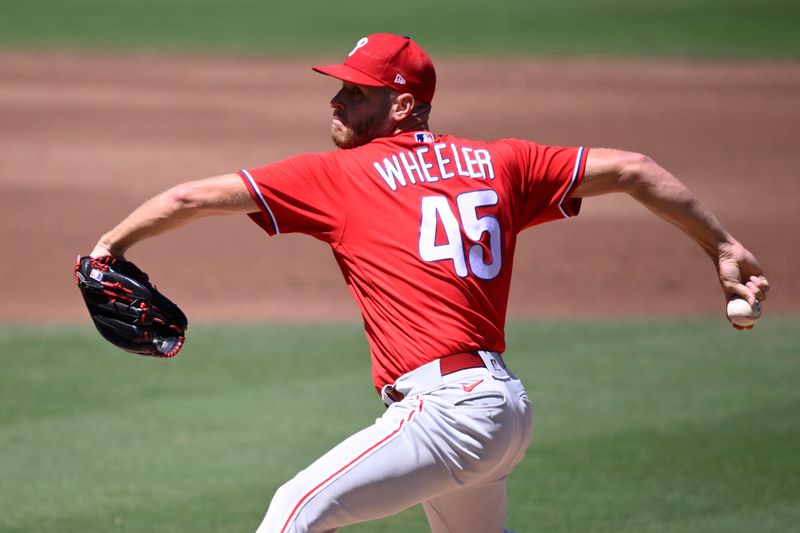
(336, 101)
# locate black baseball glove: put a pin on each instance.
(127, 309)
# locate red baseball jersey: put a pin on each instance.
(423, 228)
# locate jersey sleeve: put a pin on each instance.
(301, 194)
(547, 176)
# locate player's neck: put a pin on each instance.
(415, 127)
(416, 121)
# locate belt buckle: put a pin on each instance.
(495, 364)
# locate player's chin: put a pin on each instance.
(344, 137)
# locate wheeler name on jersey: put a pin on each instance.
(440, 161)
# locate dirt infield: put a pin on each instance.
(84, 139)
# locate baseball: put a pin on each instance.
(741, 314)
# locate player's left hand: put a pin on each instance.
(102, 250)
(741, 275)
(127, 309)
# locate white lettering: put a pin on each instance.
(442, 161)
(459, 170)
(411, 167)
(361, 43)
(414, 167)
(390, 173)
(425, 165)
(470, 162)
(484, 160)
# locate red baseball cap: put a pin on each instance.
(388, 60)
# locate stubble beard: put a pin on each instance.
(363, 131)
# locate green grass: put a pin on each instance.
(696, 28)
(641, 426)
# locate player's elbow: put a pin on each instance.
(635, 172)
(614, 171)
(220, 195)
(185, 198)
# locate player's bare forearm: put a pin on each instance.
(155, 216)
(174, 208)
(610, 171)
(662, 193)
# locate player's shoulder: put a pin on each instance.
(422, 143)
(502, 144)
(304, 165)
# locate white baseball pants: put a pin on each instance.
(449, 444)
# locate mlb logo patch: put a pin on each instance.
(96, 275)
(424, 137)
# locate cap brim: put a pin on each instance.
(348, 74)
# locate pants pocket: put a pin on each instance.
(490, 400)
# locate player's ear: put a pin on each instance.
(402, 107)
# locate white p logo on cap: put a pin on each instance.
(361, 42)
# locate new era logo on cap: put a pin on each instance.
(387, 60)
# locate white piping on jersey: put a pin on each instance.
(571, 182)
(262, 200)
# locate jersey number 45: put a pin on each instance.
(437, 213)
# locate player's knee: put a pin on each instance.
(295, 509)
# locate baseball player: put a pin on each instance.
(423, 227)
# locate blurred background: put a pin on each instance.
(653, 415)
(105, 103)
